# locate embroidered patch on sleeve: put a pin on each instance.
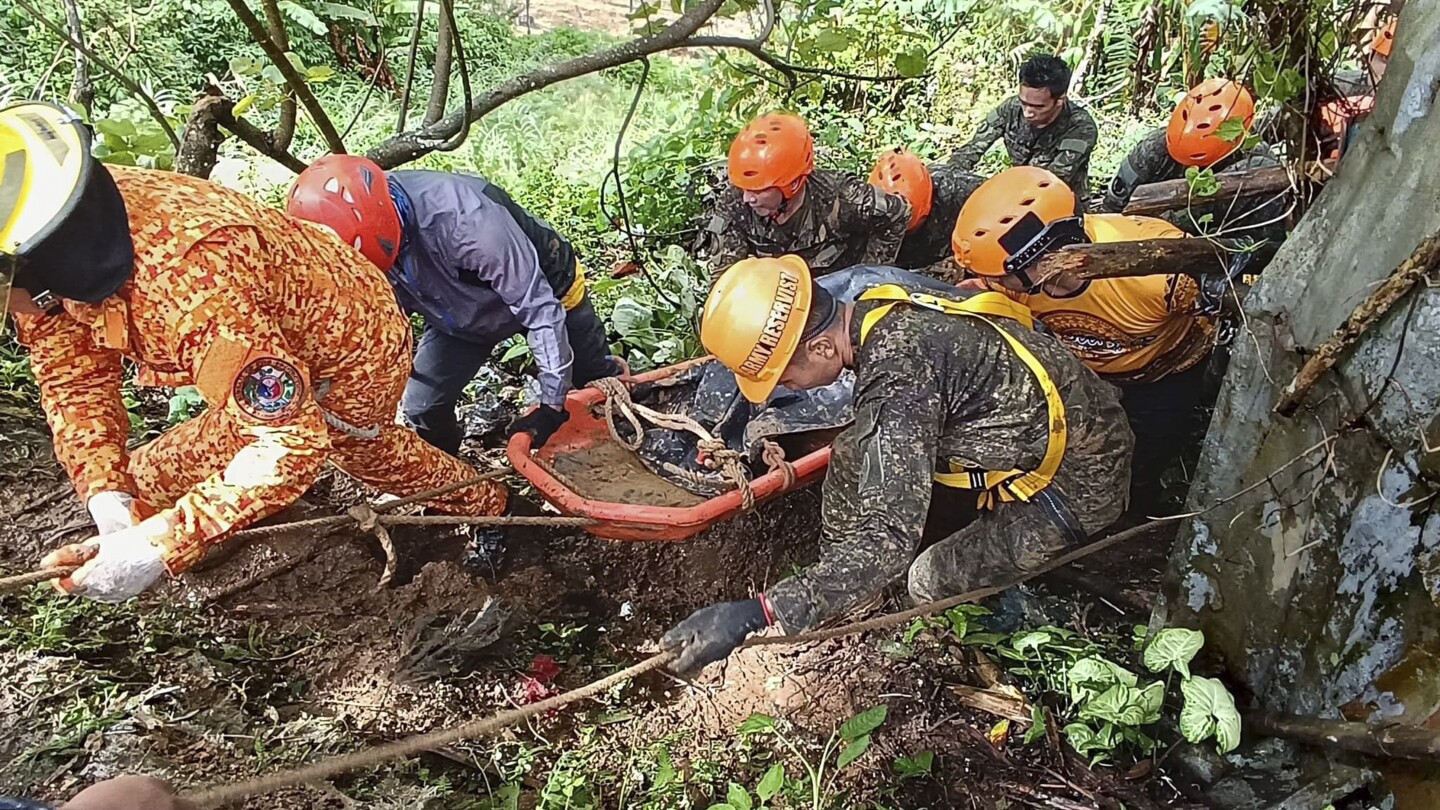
(268, 389)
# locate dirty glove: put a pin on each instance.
(128, 793)
(540, 423)
(113, 567)
(712, 633)
(111, 511)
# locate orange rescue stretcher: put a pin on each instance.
(586, 436)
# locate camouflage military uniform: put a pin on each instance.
(933, 388)
(843, 221)
(930, 243)
(1150, 162)
(1064, 147)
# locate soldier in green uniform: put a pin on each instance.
(936, 194)
(1197, 136)
(1041, 126)
(959, 393)
(778, 203)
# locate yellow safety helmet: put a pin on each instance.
(62, 222)
(754, 319)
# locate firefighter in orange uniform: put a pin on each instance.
(293, 339)
(1150, 335)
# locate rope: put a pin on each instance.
(219, 795)
(774, 457)
(617, 396)
(367, 518)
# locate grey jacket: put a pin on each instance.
(479, 267)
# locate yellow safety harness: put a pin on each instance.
(1006, 485)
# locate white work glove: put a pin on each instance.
(111, 511)
(113, 567)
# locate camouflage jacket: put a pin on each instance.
(1064, 147)
(842, 221)
(1150, 162)
(930, 243)
(933, 391)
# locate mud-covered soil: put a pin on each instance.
(286, 651)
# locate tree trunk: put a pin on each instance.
(200, 142)
(1173, 195)
(1151, 257)
(275, 24)
(1315, 571)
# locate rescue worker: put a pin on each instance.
(778, 203)
(1337, 118)
(292, 339)
(479, 269)
(1150, 335)
(1040, 126)
(955, 392)
(1200, 135)
(935, 193)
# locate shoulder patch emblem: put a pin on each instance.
(268, 389)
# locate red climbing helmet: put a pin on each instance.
(348, 194)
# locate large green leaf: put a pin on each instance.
(912, 63)
(770, 783)
(864, 722)
(340, 11)
(303, 17)
(1173, 647)
(738, 797)
(1032, 640)
(758, 724)
(832, 40)
(853, 751)
(1209, 710)
(630, 316)
(1090, 676)
(1126, 705)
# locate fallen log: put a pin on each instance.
(1173, 195)
(1392, 742)
(1150, 257)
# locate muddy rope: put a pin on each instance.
(373, 519)
(727, 461)
(220, 795)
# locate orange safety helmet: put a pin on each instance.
(997, 206)
(1193, 137)
(773, 151)
(754, 319)
(348, 194)
(901, 173)
(1384, 39)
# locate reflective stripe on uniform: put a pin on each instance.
(1006, 485)
(576, 293)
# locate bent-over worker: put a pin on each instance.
(1151, 335)
(958, 393)
(293, 340)
(479, 269)
(935, 193)
(778, 203)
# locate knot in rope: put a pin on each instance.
(617, 395)
(774, 457)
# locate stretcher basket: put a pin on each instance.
(586, 429)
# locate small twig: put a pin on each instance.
(410, 64)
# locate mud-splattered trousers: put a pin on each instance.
(936, 392)
(843, 221)
(293, 339)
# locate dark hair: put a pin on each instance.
(822, 312)
(1047, 71)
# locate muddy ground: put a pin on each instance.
(288, 651)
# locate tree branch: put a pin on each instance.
(275, 24)
(756, 48)
(201, 143)
(1388, 742)
(408, 146)
(458, 46)
(410, 65)
(82, 93)
(440, 85)
(292, 78)
(1149, 257)
(1171, 195)
(125, 81)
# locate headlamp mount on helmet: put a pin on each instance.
(1031, 239)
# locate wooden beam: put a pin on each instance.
(1173, 195)
(1151, 257)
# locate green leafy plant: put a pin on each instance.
(914, 766)
(843, 747)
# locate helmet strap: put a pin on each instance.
(1049, 238)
